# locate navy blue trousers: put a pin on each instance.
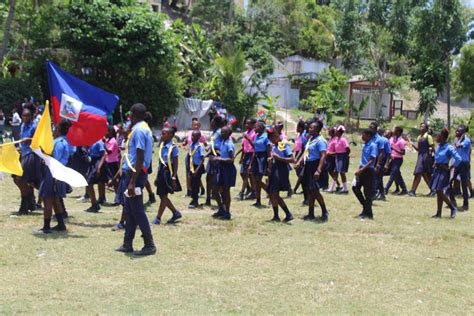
(134, 208)
(396, 175)
(463, 172)
(365, 181)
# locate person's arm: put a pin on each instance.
(101, 163)
(288, 159)
(319, 170)
(363, 168)
(138, 167)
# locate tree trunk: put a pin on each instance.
(448, 92)
(6, 33)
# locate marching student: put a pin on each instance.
(196, 166)
(397, 144)
(314, 175)
(463, 148)
(226, 175)
(112, 155)
(441, 174)
(96, 174)
(247, 150)
(424, 163)
(279, 178)
(330, 161)
(258, 165)
(196, 126)
(52, 190)
(365, 173)
(342, 157)
(167, 181)
(298, 150)
(384, 151)
(278, 127)
(30, 162)
(213, 151)
(134, 169)
(148, 188)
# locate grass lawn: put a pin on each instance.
(403, 262)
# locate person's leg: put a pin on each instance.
(244, 177)
(47, 214)
(161, 207)
(357, 189)
(138, 210)
(465, 194)
(399, 179)
(322, 204)
(209, 187)
(415, 184)
(427, 178)
(368, 189)
(195, 181)
(284, 207)
(59, 212)
(258, 190)
(274, 202)
(311, 199)
(227, 199)
(130, 228)
(439, 203)
(91, 191)
(24, 194)
(102, 192)
(188, 184)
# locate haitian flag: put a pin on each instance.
(83, 104)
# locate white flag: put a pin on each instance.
(61, 172)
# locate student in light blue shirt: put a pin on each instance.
(213, 151)
(196, 166)
(258, 164)
(167, 181)
(226, 175)
(384, 151)
(96, 174)
(315, 177)
(365, 173)
(463, 170)
(137, 158)
(440, 180)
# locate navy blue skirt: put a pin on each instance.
(309, 181)
(112, 169)
(330, 163)
(424, 164)
(52, 188)
(463, 170)
(212, 167)
(92, 177)
(164, 182)
(123, 185)
(440, 180)
(33, 169)
(279, 179)
(259, 165)
(342, 163)
(226, 175)
(244, 167)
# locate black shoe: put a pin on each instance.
(257, 204)
(412, 194)
(59, 228)
(251, 196)
(323, 219)
(152, 198)
(275, 219)
(95, 208)
(193, 205)
(309, 218)
(403, 192)
(395, 192)
(385, 191)
(437, 215)
(176, 216)
(218, 214)
(208, 202)
(127, 246)
(464, 208)
(203, 191)
(432, 194)
(289, 217)
(43, 231)
(148, 249)
(226, 216)
(22, 212)
(101, 201)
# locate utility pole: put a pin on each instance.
(448, 90)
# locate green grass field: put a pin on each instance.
(403, 262)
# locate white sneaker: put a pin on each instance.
(83, 200)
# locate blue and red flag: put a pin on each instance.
(231, 120)
(83, 104)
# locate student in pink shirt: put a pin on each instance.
(343, 150)
(397, 143)
(330, 163)
(298, 150)
(188, 140)
(112, 155)
(247, 151)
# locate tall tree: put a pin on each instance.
(6, 32)
(432, 55)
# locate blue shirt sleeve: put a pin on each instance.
(231, 147)
(322, 146)
(139, 138)
(373, 150)
(175, 152)
(466, 143)
(454, 154)
(287, 151)
(201, 151)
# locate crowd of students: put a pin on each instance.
(122, 161)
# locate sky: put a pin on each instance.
(470, 3)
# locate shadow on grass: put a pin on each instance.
(90, 225)
(59, 235)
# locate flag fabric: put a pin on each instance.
(10, 159)
(231, 120)
(61, 172)
(261, 115)
(43, 137)
(83, 104)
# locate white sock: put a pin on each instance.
(345, 186)
(333, 186)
